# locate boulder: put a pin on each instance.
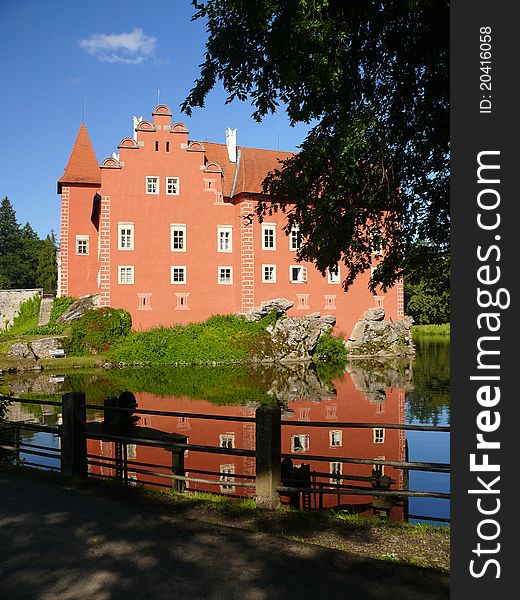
(36, 349)
(295, 338)
(372, 336)
(78, 308)
(374, 314)
(282, 305)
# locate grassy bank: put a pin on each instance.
(432, 330)
(105, 336)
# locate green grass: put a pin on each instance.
(27, 318)
(431, 330)
(59, 306)
(219, 339)
(25, 325)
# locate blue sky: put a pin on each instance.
(113, 58)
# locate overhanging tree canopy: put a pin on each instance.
(372, 80)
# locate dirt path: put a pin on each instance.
(61, 542)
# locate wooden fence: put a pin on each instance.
(267, 482)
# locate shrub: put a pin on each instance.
(97, 330)
(59, 306)
(222, 338)
(330, 348)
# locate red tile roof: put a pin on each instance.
(253, 166)
(83, 166)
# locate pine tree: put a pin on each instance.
(11, 259)
(47, 276)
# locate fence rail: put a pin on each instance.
(267, 481)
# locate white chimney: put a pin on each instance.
(136, 121)
(231, 143)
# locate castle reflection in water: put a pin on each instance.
(361, 396)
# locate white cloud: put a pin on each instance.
(131, 48)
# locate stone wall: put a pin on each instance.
(10, 301)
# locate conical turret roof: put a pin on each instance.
(83, 166)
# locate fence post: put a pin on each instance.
(268, 450)
(178, 485)
(73, 439)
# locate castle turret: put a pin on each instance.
(78, 239)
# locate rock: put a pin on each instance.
(281, 304)
(78, 308)
(372, 336)
(295, 338)
(21, 350)
(374, 314)
(36, 349)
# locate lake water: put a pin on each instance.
(366, 392)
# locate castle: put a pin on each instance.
(166, 229)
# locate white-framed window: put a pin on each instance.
(225, 275)
(333, 275)
(268, 236)
(295, 242)
(125, 274)
(379, 435)
(82, 244)
(178, 237)
(335, 470)
(125, 236)
(152, 184)
(172, 186)
(226, 440)
(297, 274)
(178, 275)
(378, 469)
(268, 273)
(227, 478)
(144, 301)
(335, 438)
(224, 238)
(182, 301)
(330, 302)
(300, 442)
(379, 300)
